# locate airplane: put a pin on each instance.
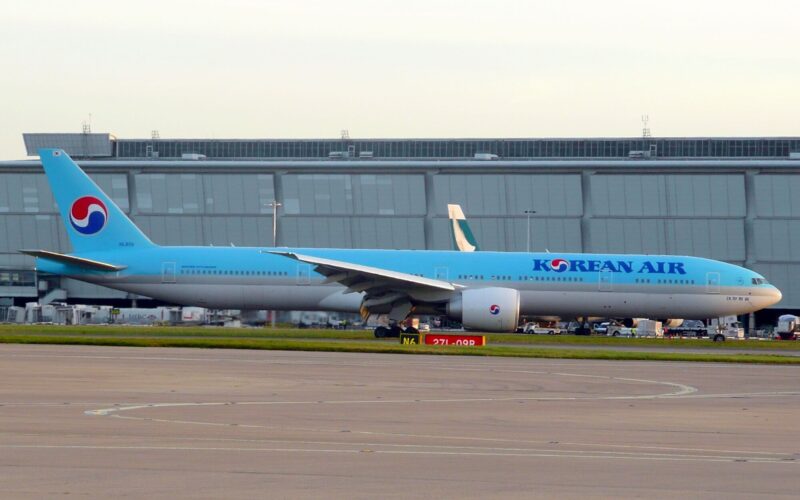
(484, 290)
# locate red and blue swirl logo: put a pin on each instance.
(559, 265)
(494, 309)
(88, 215)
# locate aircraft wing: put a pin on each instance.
(360, 278)
(95, 265)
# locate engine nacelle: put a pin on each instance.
(631, 322)
(487, 309)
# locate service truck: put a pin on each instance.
(788, 327)
(727, 327)
(718, 329)
(643, 328)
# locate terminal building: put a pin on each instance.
(731, 199)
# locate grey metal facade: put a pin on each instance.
(657, 147)
(86, 145)
(742, 210)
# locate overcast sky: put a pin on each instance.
(432, 68)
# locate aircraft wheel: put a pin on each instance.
(719, 338)
(381, 332)
(394, 331)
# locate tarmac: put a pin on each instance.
(193, 423)
(683, 349)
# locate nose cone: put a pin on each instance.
(775, 296)
(764, 296)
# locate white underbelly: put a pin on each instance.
(235, 296)
(570, 304)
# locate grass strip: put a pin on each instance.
(396, 348)
(314, 334)
(186, 331)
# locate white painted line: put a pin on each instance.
(463, 454)
(682, 389)
(687, 451)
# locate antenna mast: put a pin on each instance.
(86, 125)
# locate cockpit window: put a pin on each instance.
(760, 281)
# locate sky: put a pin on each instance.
(432, 68)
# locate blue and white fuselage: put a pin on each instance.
(604, 285)
(487, 290)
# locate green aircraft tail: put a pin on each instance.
(463, 239)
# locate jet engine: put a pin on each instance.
(630, 322)
(487, 309)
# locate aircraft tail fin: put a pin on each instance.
(93, 221)
(463, 239)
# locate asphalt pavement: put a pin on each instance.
(99, 422)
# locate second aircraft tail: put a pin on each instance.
(463, 239)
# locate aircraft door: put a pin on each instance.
(303, 274)
(606, 280)
(442, 273)
(168, 272)
(712, 282)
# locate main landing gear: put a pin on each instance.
(393, 331)
(383, 332)
(397, 316)
(584, 329)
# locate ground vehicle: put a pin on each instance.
(541, 329)
(649, 328)
(644, 328)
(600, 328)
(717, 330)
(720, 329)
(689, 328)
(616, 330)
(788, 327)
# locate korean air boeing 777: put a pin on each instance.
(483, 290)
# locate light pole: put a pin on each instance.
(274, 204)
(528, 213)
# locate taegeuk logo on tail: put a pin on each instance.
(88, 215)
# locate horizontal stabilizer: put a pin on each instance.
(73, 260)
